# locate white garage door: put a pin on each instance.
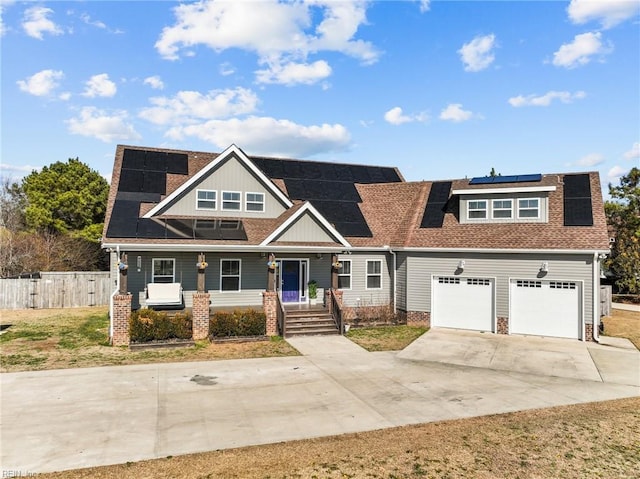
(545, 308)
(464, 303)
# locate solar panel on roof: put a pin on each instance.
(155, 161)
(485, 180)
(578, 209)
(123, 219)
(131, 180)
(178, 163)
(155, 182)
(435, 209)
(133, 159)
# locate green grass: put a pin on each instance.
(385, 338)
(92, 331)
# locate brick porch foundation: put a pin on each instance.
(120, 320)
(502, 325)
(588, 332)
(270, 306)
(417, 318)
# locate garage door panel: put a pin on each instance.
(545, 308)
(463, 303)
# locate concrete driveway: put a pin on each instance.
(67, 419)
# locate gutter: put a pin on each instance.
(503, 250)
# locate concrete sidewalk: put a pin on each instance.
(67, 419)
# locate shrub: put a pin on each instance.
(149, 325)
(238, 323)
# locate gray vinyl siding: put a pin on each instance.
(359, 295)
(230, 176)
(306, 229)
(503, 267)
(401, 282)
(253, 276)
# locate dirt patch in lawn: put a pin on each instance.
(587, 440)
(74, 338)
(623, 324)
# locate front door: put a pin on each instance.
(293, 280)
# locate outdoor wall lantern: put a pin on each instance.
(544, 267)
(461, 264)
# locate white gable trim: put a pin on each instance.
(233, 149)
(307, 207)
(489, 191)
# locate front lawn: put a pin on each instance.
(623, 324)
(36, 339)
(385, 338)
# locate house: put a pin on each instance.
(505, 254)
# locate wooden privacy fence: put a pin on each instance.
(56, 290)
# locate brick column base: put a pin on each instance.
(270, 306)
(120, 320)
(588, 332)
(502, 325)
(418, 318)
(200, 315)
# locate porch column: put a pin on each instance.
(271, 274)
(123, 267)
(334, 271)
(120, 320)
(270, 306)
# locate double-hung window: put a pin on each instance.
(374, 274)
(231, 200)
(529, 208)
(501, 209)
(206, 200)
(163, 270)
(477, 209)
(254, 202)
(229, 275)
(344, 274)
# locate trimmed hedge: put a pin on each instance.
(248, 322)
(149, 325)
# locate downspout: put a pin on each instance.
(393, 253)
(596, 297)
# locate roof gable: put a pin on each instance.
(232, 152)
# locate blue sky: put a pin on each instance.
(441, 89)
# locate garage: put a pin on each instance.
(545, 308)
(463, 303)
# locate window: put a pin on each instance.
(231, 200)
(501, 209)
(374, 274)
(344, 275)
(163, 270)
(477, 210)
(529, 208)
(229, 275)
(206, 200)
(254, 202)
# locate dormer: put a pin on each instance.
(504, 199)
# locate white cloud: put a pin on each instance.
(13, 171)
(268, 136)
(546, 99)
(154, 82)
(42, 83)
(454, 112)
(191, 106)
(395, 116)
(65, 96)
(100, 85)
(3, 5)
(424, 5)
(36, 22)
(478, 53)
(96, 23)
(580, 51)
(99, 124)
(608, 12)
(288, 37)
(294, 73)
(226, 69)
(615, 173)
(592, 159)
(633, 153)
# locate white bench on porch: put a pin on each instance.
(164, 295)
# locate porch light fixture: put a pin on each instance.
(544, 267)
(461, 264)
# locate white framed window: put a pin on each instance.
(501, 209)
(529, 208)
(374, 274)
(477, 209)
(254, 202)
(206, 199)
(231, 200)
(344, 274)
(164, 270)
(230, 274)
